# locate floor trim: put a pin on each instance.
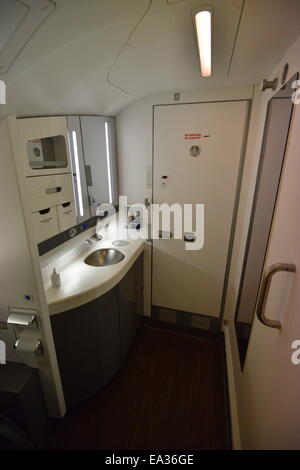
(187, 330)
(234, 415)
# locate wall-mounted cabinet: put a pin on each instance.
(51, 199)
(51, 221)
(70, 167)
(44, 145)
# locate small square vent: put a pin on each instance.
(19, 20)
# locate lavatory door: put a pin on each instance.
(198, 152)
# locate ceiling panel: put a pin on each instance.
(12, 13)
(268, 28)
(163, 50)
(19, 20)
(76, 59)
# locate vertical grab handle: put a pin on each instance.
(264, 290)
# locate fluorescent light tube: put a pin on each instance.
(108, 162)
(203, 25)
(77, 171)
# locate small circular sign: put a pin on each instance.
(195, 151)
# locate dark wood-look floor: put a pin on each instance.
(168, 395)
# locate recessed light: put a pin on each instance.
(203, 23)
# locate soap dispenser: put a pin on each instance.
(55, 278)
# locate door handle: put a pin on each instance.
(264, 290)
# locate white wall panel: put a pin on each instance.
(20, 269)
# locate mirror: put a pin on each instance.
(94, 163)
(278, 118)
(99, 158)
(50, 152)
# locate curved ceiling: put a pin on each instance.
(96, 56)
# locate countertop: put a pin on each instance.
(81, 283)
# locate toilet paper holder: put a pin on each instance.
(23, 318)
(38, 348)
(25, 324)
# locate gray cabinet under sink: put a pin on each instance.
(130, 298)
(93, 340)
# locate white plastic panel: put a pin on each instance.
(49, 191)
(66, 216)
(16, 275)
(45, 224)
(21, 281)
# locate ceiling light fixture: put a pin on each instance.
(203, 22)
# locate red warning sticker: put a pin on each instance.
(192, 136)
(195, 136)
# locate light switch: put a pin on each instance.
(164, 181)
